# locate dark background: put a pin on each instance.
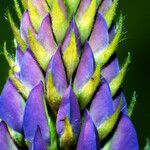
(137, 41)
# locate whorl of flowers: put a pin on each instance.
(64, 85)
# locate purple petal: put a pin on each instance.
(99, 38)
(84, 4)
(30, 73)
(102, 105)
(19, 56)
(35, 114)
(58, 72)
(40, 6)
(125, 137)
(72, 28)
(86, 67)
(12, 106)
(6, 141)
(25, 25)
(38, 143)
(88, 139)
(111, 69)
(69, 108)
(106, 4)
(45, 36)
(120, 96)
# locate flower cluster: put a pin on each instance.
(64, 87)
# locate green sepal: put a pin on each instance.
(14, 68)
(24, 4)
(35, 17)
(67, 140)
(27, 142)
(107, 145)
(46, 5)
(85, 94)
(39, 52)
(98, 2)
(59, 21)
(49, 3)
(104, 56)
(71, 57)
(16, 33)
(53, 134)
(53, 96)
(117, 81)
(17, 137)
(109, 16)
(72, 6)
(18, 9)
(132, 104)
(85, 23)
(15, 43)
(106, 127)
(22, 89)
(51, 124)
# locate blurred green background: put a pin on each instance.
(137, 41)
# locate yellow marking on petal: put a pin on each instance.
(86, 22)
(105, 128)
(67, 139)
(70, 57)
(18, 9)
(86, 93)
(59, 21)
(16, 33)
(117, 81)
(35, 17)
(104, 56)
(22, 89)
(54, 98)
(111, 13)
(40, 53)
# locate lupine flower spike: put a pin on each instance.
(64, 85)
